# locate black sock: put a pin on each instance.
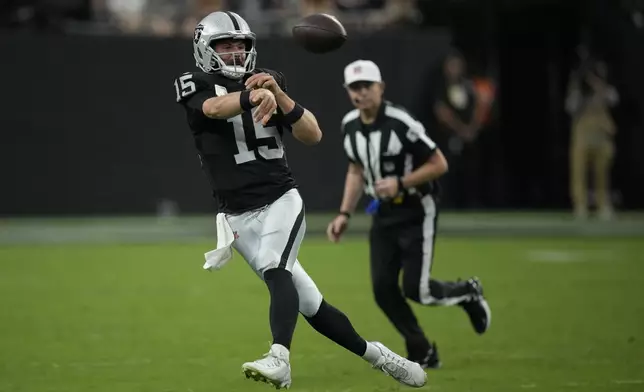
(442, 290)
(284, 305)
(336, 326)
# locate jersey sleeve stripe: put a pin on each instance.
(419, 130)
(414, 125)
(399, 114)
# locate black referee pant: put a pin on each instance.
(410, 248)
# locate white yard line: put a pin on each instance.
(628, 382)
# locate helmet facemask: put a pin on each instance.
(210, 61)
(237, 68)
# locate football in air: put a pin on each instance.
(319, 33)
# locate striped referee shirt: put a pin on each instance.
(395, 144)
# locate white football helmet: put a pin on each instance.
(223, 25)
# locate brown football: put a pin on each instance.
(319, 33)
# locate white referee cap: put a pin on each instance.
(361, 71)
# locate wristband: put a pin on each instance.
(347, 214)
(244, 100)
(294, 115)
(401, 187)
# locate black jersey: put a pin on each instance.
(244, 161)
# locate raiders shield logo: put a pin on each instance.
(198, 31)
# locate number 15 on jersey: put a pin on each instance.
(267, 140)
(184, 86)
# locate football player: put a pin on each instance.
(238, 115)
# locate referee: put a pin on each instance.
(394, 162)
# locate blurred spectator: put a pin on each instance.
(369, 15)
(165, 16)
(199, 9)
(589, 102)
(158, 17)
(317, 6)
(127, 15)
(266, 17)
(458, 110)
(42, 14)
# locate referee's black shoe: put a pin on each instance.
(429, 360)
(477, 307)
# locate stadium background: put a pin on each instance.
(105, 214)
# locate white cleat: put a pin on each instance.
(273, 369)
(405, 371)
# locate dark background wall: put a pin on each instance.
(90, 125)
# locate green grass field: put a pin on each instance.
(568, 315)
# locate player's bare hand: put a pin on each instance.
(387, 187)
(265, 105)
(263, 80)
(337, 227)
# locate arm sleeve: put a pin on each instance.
(192, 91)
